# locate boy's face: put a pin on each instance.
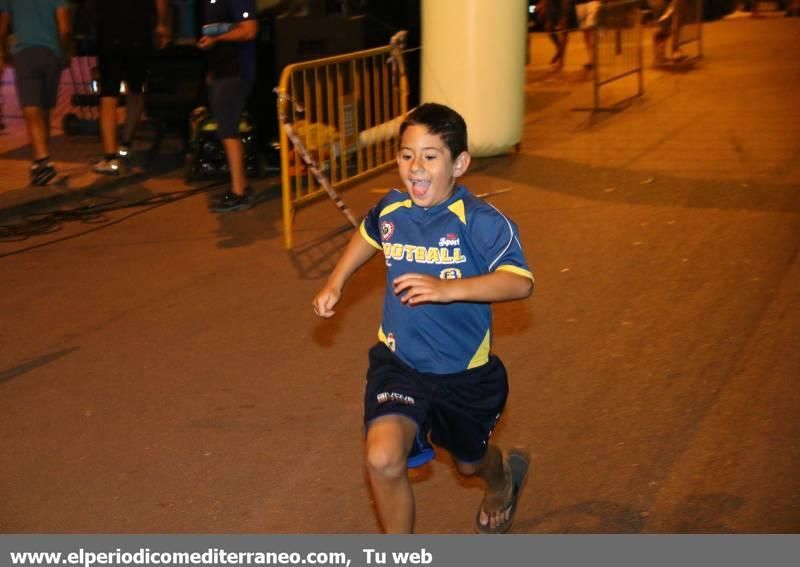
(426, 166)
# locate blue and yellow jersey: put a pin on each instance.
(460, 238)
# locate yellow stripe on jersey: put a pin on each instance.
(515, 270)
(457, 208)
(363, 230)
(394, 206)
(382, 336)
(481, 356)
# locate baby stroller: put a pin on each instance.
(206, 156)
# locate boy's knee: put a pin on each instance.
(389, 440)
(385, 460)
(467, 469)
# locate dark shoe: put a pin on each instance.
(42, 173)
(231, 202)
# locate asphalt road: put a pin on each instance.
(166, 374)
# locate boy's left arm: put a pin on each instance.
(487, 288)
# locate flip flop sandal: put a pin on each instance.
(518, 462)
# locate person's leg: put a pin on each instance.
(36, 123)
(37, 74)
(497, 477)
(389, 440)
(660, 46)
(234, 152)
(110, 164)
(108, 124)
(589, 38)
(111, 67)
(134, 106)
(559, 39)
(30, 75)
(137, 61)
(466, 410)
(588, 23)
(557, 26)
(563, 36)
(227, 98)
(677, 55)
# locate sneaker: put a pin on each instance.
(124, 154)
(230, 202)
(42, 173)
(112, 166)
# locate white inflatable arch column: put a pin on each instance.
(473, 60)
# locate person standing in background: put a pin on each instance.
(229, 37)
(586, 12)
(126, 33)
(555, 17)
(41, 50)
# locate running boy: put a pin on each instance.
(448, 256)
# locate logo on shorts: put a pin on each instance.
(390, 341)
(450, 274)
(385, 397)
(387, 230)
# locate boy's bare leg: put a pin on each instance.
(234, 150)
(389, 440)
(499, 488)
(108, 123)
(37, 121)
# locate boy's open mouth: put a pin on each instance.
(419, 187)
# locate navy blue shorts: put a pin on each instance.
(456, 411)
(227, 97)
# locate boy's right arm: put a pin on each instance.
(358, 251)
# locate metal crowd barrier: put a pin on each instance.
(687, 27)
(346, 111)
(618, 48)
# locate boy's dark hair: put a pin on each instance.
(443, 121)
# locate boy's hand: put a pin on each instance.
(325, 300)
(414, 289)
